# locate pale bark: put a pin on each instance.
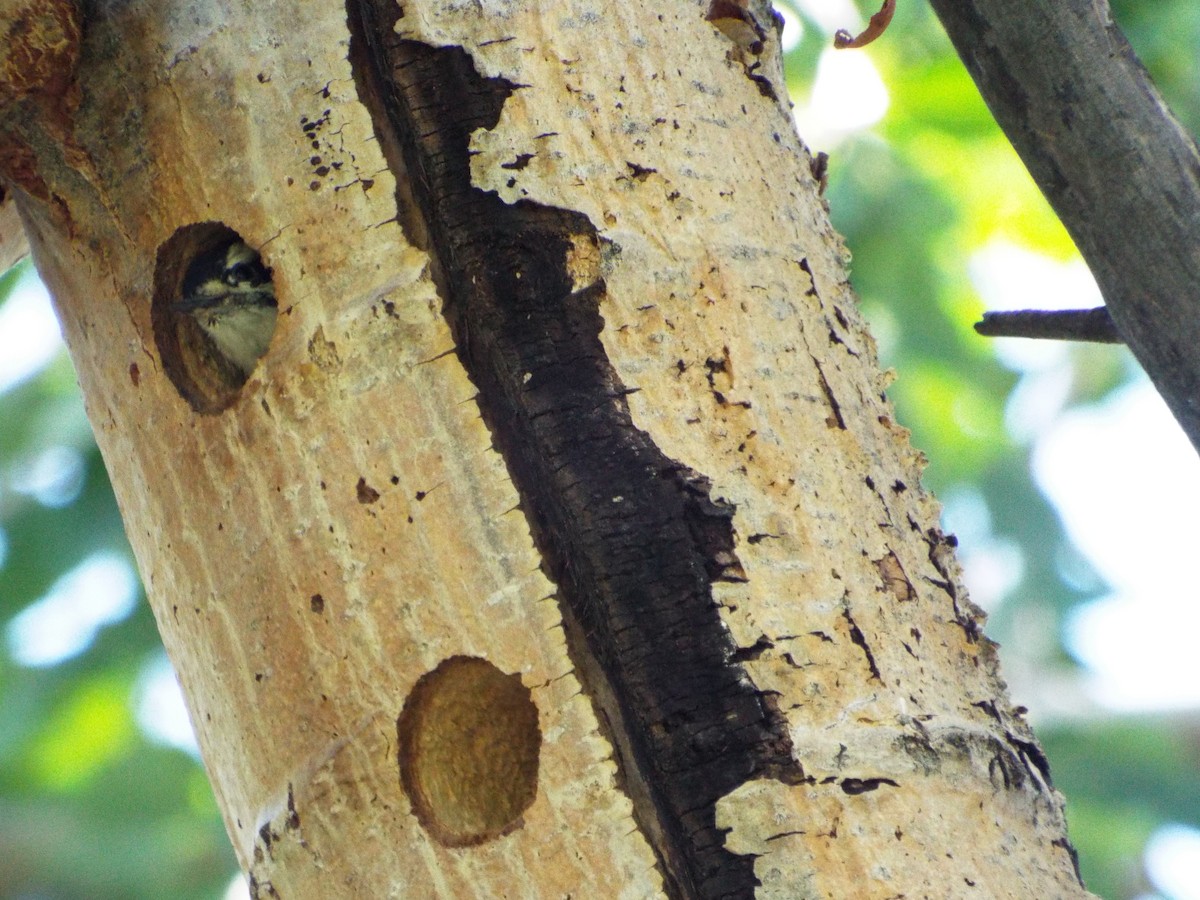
(346, 528)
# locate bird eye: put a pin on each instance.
(239, 273)
(213, 324)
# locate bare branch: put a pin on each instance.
(1094, 325)
(1121, 173)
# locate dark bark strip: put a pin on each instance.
(632, 539)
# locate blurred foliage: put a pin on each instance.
(90, 806)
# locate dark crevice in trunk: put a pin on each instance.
(632, 539)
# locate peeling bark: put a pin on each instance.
(631, 538)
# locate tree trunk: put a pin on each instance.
(562, 542)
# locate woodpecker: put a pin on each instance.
(228, 291)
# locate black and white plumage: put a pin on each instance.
(228, 291)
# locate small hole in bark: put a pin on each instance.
(469, 745)
(213, 313)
